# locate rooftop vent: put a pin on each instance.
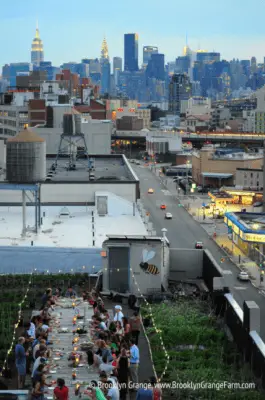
(64, 212)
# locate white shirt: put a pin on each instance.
(118, 316)
(35, 365)
(31, 331)
(114, 393)
(108, 368)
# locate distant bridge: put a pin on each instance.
(201, 138)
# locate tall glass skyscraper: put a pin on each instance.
(131, 52)
(147, 53)
(37, 54)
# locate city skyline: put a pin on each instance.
(78, 34)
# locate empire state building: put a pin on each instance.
(37, 54)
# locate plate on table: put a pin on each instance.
(57, 358)
(53, 372)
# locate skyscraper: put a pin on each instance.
(117, 64)
(105, 68)
(37, 54)
(156, 67)
(117, 69)
(131, 52)
(147, 53)
(179, 89)
(104, 50)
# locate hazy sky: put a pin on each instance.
(72, 30)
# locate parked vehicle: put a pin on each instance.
(243, 276)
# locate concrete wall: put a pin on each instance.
(146, 282)
(210, 269)
(244, 325)
(117, 205)
(97, 135)
(66, 193)
(185, 264)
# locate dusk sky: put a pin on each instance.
(232, 27)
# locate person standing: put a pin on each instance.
(135, 323)
(134, 361)
(123, 364)
(21, 362)
(145, 393)
(157, 392)
(118, 314)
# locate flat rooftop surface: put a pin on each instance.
(65, 231)
(106, 168)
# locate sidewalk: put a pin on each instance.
(241, 260)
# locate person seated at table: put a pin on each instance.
(95, 392)
(57, 293)
(93, 360)
(119, 327)
(42, 349)
(101, 324)
(61, 392)
(70, 292)
(104, 315)
(36, 348)
(42, 359)
(103, 350)
(37, 376)
(45, 297)
(41, 333)
(38, 391)
(46, 316)
(112, 327)
(106, 366)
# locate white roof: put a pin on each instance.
(72, 231)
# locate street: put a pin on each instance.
(183, 232)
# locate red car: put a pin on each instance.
(163, 207)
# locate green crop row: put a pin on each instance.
(210, 357)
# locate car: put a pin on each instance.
(137, 162)
(198, 245)
(243, 276)
(150, 191)
(163, 207)
(168, 215)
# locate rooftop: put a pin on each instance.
(106, 168)
(222, 195)
(72, 231)
(248, 222)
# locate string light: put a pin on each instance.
(158, 331)
(20, 305)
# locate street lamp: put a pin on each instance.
(164, 232)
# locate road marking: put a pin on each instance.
(166, 192)
(240, 288)
(262, 292)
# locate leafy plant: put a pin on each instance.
(198, 352)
